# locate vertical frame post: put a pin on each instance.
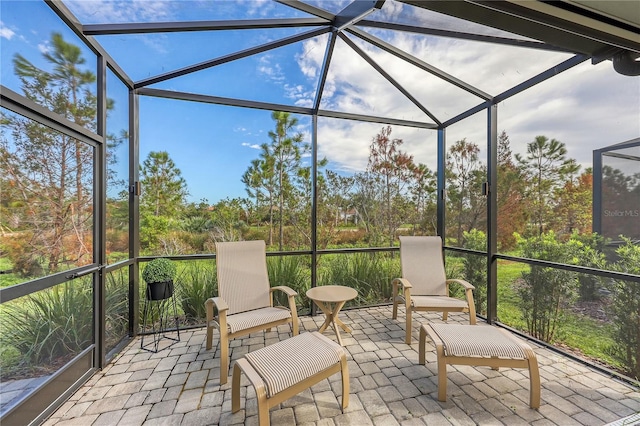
(134, 212)
(492, 213)
(314, 204)
(441, 184)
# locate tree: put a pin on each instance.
(51, 174)
(467, 173)
(393, 169)
(422, 189)
(260, 184)
(572, 212)
(164, 193)
(512, 211)
(273, 174)
(545, 166)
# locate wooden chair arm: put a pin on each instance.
(463, 283)
(287, 290)
(214, 303)
(405, 285)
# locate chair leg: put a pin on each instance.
(421, 346)
(442, 374)
(445, 315)
(534, 383)
(209, 337)
(263, 410)
(235, 389)
(407, 338)
(224, 358)
(345, 382)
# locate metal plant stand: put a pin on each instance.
(157, 313)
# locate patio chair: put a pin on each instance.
(245, 298)
(424, 286)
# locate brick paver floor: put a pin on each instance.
(180, 385)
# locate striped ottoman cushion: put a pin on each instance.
(480, 341)
(290, 361)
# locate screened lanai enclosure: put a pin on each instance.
(135, 129)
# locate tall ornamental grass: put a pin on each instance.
(290, 271)
(49, 326)
(369, 273)
(196, 282)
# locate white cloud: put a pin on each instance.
(6, 32)
(251, 145)
(273, 71)
(587, 107)
(120, 11)
(44, 47)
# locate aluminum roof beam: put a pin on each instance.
(307, 8)
(387, 76)
(540, 20)
(328, 54)
(545, 75)
(355, 12)
(232, 57)
(463, 36)
(168, 27)
(68, 18)
(218, 100)
(419, 63)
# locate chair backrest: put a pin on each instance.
(423, 265)
(243, 281)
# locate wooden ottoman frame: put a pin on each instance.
(286, 368)
(478, 345)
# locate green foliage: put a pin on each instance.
(117, 305)
(50, 325)
(545, 292)
(159, 270)
(369, 273)
(10, 358)
(545, 167)
(197, 282)
(590, 253)
(164, 190)
(292, 272)
(151, 229)
(626, 308)
(475, 268)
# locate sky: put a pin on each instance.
(587, 107)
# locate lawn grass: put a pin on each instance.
(576, 333)
(9, 279)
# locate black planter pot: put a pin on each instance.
(160, 290)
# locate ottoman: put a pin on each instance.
(479, 345)
(286, 368)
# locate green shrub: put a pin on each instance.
(590, 254)
(475, 268)
(625, 308)
(545, 292)
(159, 270)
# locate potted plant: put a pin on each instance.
(159, 275)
